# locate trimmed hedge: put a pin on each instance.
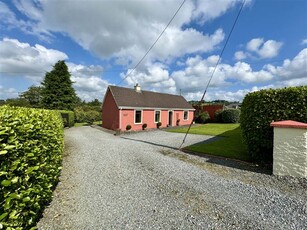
(218, 116)
(230, 115)
(31, 147)
(68, 117)
(260, 108)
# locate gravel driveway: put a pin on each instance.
(140, 181)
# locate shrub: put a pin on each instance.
(178, 122)
(79, 114)
(128, 127)
(203, 118)
(230, 115)
(31, 146)
(218, 116)
(144, 126)
(260, 108)
(68, 117)
(87, 114)
(159, 124)
(91, 116)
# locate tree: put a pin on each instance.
(33, 95)
(20, 102)
(57, 92)
(95, 102)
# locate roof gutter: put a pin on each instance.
(153, 108)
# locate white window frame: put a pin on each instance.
(155, 116)
(187, 115)
(135, 115)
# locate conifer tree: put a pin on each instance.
(57, 92)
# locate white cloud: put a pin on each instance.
(194, 75)
(87, 81)
(254, 44)
(193, 78)
(9, 21)
(304, 42)
(240, 55)
(206, 10)
(124, 30)
(291, 69)
(155, 78)
(269, 49)
(198, 71)
(261, 48)
(8, 92)
(32, 62)
(17, 58)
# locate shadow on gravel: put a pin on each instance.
(222, 161)
(150, 143)
(168, 146)
(232, 163)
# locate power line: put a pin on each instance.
(217, 63)
(152, 44)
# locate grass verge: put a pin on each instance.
(85, 123)
(230, 146)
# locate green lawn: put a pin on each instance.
(230, 146)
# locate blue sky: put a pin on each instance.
(101, 41)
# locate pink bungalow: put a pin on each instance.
(135, 107)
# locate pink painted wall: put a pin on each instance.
(110, 113)
(127, 118)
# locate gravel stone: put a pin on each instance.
(142, 181)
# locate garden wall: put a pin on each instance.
(290, 148)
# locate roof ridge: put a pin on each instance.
(146, 90)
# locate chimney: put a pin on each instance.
(137, 88)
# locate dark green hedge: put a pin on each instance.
(218, 116)
(31, 146)
(260, 108)
(68, 117)
(230, 115)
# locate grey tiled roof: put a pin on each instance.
(126, 97)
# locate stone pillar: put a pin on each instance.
(290, 148)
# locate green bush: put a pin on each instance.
(128, 127)
(159, 124)
(31, 146)
(203, 118)
(87, 114)
(91, 116)
(260, 108)
(144, 126)
(218, 116)
(230, 115)
(68, 117)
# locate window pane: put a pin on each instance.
(185, 115)
(157, 116)
(138, 116)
